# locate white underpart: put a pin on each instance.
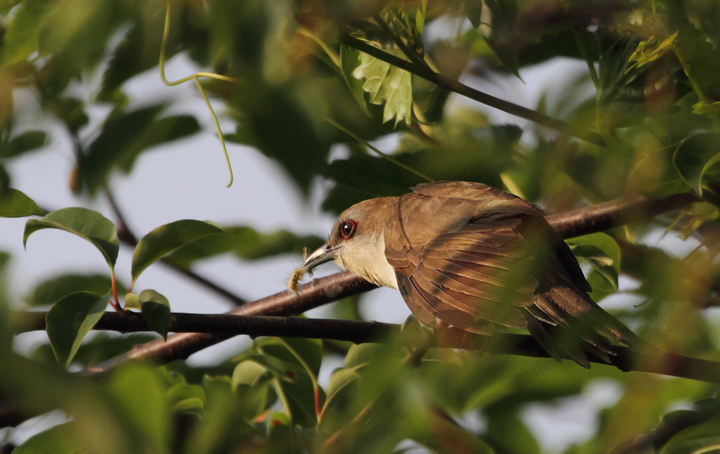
(367, 260)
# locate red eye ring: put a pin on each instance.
(347, 229)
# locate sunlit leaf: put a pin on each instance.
(708, 109)
(87, 224)
(15, 204)
(69, 321)
(650, 50)
(21, 37)
(60, 439)
(388, 85)
(166, 239)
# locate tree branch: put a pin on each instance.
(359, 332)
(590, 219)
(449, 84)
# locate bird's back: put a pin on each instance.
(478, 258)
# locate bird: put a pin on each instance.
(479, 259)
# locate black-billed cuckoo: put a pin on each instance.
(478, 259)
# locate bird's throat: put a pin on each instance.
(368, 261)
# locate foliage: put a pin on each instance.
(286, 72)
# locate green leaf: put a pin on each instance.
(343, 383)
(69, 321)
(21, 37)
(281, 369)
(603, 254)
(101, 347)
(124, 136)
(711, 110)
(156, 311)
(248, 372)
(362, 355)
(15, 204)
(503, 32)
(650, 50)
(27, 141)
(71, 111)
(87, 224)
(695, 157)
(166, 239)
(140, 397)
(696, 439)
(4, 181)
(61, 439)
(349, 61)
(294, 381)
(386, 84)
(190, 405)
(58, 287)
(473, 11)
(246, 243)
(250, 382)
(132, 301)
(221, 428)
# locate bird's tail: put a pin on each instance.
(567, 323)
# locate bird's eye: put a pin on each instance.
(347, 229)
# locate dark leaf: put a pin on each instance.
(124, 136)
(27, 141)
(70, 319)
(695, 158)
(155, 311)
(58, 287)
(87, 224)
(349, 61)
(15, 204)
(166, 239)
(140, 396)
(246, 243)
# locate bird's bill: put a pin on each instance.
(322, 255)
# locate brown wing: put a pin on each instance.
(486, 259)
(460, 255)
(474, 278)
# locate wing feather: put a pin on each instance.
(476, 258)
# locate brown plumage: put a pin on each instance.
(479, 259)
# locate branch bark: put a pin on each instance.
(359, 332)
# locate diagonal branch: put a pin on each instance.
(359, 332)
(590, 219)
(449, 84)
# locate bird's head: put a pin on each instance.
(357, 242)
